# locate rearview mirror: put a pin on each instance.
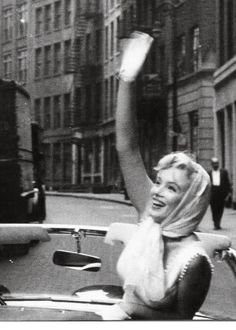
(78, 261)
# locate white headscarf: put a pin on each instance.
(141, 262)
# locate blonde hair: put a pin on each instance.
(180, 160)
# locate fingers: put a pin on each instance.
(134, 55)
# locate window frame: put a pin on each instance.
(22, 20)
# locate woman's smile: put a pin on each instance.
(157, 203)
(168, 190)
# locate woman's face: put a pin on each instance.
(168, 190)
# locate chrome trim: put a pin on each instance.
(91, 231)
(230, 259)
(97, 231)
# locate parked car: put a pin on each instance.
(55, 280)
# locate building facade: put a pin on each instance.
(67, 54)
(190, 52)
(225, 96)
(14, 40)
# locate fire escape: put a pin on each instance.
(87, 71)
(90, 69)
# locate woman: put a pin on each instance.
(166, 272)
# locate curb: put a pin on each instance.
(89, 197)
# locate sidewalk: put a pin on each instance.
(228, 221)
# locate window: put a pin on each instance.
(37, 110)
(47, 112)
(221, 31)
(78, 115)
(106, 7)
(193, 120)
(57, 111)
(67, 55)
(97, 156)
(88, 103)
(67, 109)
(98, 47)
(118, 34)
(38, 20)
(125, 23)
(106, 43)
(88, 157)
(47, 160)
(111, 95)
(98, 101)
(112, 3)
(67, 157)
(68, 13)
(56, 162)
(131, 15)
(47, 60)
(57, 58)
(38, 62)
(7, 66)
(88, 48)
(196, 49)
(22, 66)
(57, 15)
(181, 55)
(22, 20)
(112, 40)
(230, 28)
(47, 18)
(106, 99)
(7, 24)
(222, 134)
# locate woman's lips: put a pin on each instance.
(158, 203)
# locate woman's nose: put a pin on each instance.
(157, 189)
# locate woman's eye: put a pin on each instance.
(172, 188)
(157, 182)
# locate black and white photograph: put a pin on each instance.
(118, 161)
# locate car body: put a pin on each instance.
(61, 282)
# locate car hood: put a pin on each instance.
(85, 306)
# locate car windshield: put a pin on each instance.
(29, 268)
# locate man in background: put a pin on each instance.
(220, 189)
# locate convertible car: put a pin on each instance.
(66, 272)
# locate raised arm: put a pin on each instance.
(137, 182)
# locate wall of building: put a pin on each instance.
(225, 120)
(195, 103)
(80, 138)
(189, 81)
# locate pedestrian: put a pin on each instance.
(165, 271)
(219, 191)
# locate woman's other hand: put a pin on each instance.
(134, 55)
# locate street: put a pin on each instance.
(36, 273)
